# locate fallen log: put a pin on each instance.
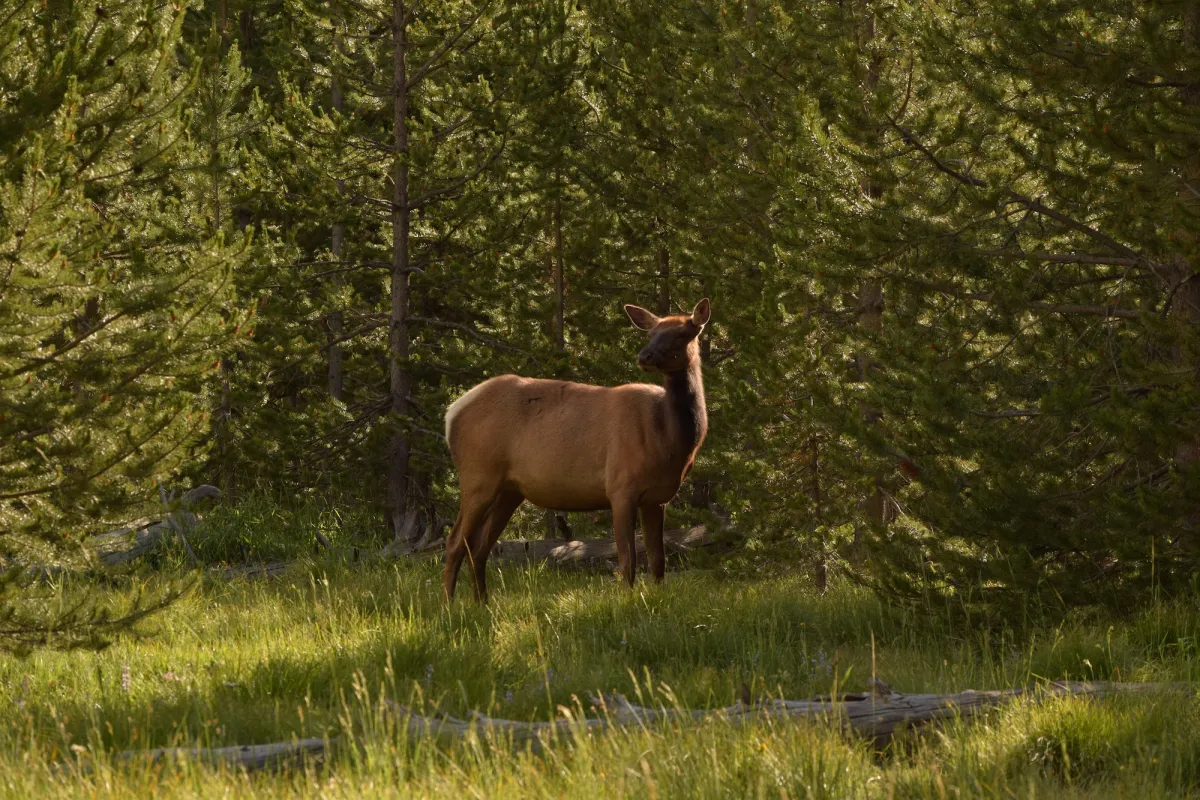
(147, 536)
(406, 543)
(248, 757)
(878, 716)
(583, 552)
(272, 569)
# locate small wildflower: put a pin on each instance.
(550, 674)
(428, 674)
(126, 679)
(508, 697)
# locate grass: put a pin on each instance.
(314, 652)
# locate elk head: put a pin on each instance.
(672, 346)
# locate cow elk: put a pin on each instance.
(574, 447)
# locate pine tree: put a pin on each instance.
(401, 161)
(110, 297)
(1036, 228)
(705, 159)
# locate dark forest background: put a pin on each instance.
(951, 249)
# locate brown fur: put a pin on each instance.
(575, 447)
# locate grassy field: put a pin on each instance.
(314, 652)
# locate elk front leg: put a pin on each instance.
(624, 520)
(653, 515)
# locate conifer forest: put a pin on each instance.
(252, 251)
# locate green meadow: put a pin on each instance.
(324, 650)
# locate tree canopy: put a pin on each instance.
(951, 249)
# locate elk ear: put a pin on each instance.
(641, 318)
(701, 313)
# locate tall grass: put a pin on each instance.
(316, 652)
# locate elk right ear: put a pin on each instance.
(641, 318)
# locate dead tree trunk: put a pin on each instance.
(560, 278)
(664, 276)
(556, 523)
(336, 322)
(1185, 303)
(248, 757)
(398, 339)
(870, 292)
(878, 716)
(598, 552)
(148, 536)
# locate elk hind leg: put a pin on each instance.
(471, 512)
(484, 538)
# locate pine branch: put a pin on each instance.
(1035, 205)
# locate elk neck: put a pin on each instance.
(687, 418)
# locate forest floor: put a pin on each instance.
(318, 651)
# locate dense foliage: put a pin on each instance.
(950, 246)
(115, 277)
(1035, 228)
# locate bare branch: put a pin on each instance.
(1062, 258)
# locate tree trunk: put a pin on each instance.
(560, 280)
(870, 296)
(223, 22)
(821, 573)
(870, 317)
(555, 522)
(246, 23)
(398, 339)
(664, 274)
(1185, 305)
(336, 322)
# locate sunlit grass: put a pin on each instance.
(314, 653)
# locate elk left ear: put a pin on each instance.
(701, 313)
(640, 317)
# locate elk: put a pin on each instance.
(575, 447)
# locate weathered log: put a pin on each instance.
(878, 717)
(248, 757)
(409, 544)
(251, 572)
(875, 715)
(881, 716)
(148, 536)
(589, 551)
